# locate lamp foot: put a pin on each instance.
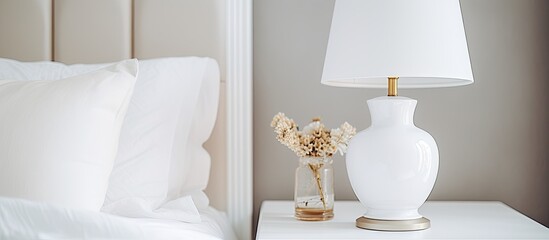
(393, 225)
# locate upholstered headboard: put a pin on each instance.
(85, 31)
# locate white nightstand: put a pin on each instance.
(449, 220)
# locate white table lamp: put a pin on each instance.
(392, 165)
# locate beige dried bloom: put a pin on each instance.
(341, 136)
(286, 131)
(315, 140)
(312, 127)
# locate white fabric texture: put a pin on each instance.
(58, 139)
(161, 167)
(190, 176)
(22, 219)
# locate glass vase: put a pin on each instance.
(314, 189)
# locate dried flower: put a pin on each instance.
(315, 140)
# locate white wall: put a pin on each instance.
(493, 136)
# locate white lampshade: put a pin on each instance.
(421, 41)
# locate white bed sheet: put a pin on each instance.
(22, 219)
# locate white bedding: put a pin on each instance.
(161, 164)
(23, 219)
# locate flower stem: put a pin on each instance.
(314, 168)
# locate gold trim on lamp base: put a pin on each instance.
(393, 225)
(392, 86)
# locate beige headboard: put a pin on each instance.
(93, 31)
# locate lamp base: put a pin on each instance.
(393, 225)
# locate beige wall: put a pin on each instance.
(493, 136)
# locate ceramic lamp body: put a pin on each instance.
(392, 165)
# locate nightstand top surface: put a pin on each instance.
(449, 220)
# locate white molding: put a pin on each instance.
(239, 116)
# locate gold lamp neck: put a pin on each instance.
(392, 89)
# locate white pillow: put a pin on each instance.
(174, 98)
(58, 139)
(190, 176)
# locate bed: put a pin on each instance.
(100, 32)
